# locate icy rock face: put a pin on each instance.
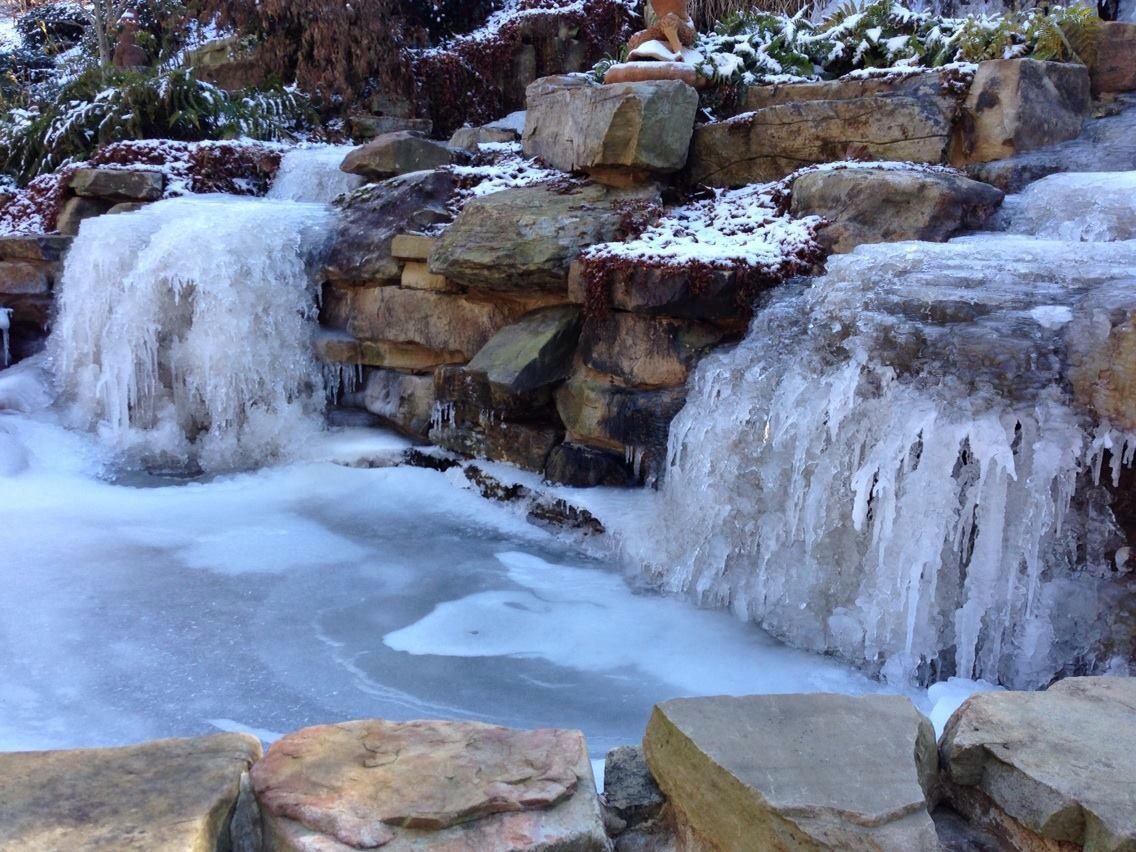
(1075, 207)
(891, 468)
(313, 174)
(185, 330)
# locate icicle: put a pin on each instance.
(5, 341)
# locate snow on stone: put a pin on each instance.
(735, 227)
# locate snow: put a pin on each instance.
(508, 169)
(514, 121)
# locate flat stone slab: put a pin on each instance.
(1060, 764)
(118, 184)
(797, 771)
(396, 154)
(428, 785)
(165, 796)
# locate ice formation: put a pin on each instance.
(1075, 207)
(313, 174)
(185, 330)
(891, 466)
(5, 339)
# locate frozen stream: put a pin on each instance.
(313, 593)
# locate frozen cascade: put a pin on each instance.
(184, 330)
(1076, 207)
(5, 340)
(313, 174)
(891, 466)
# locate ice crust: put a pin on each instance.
(886, 467)
(313, 174)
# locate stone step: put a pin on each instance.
(412, 247)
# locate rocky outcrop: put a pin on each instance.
(770, 143)
(1048, 770)
(622, 130)
(796, 771)
(371, 218)
(395, 154)
(524, 239)
(879, 206)
(165, 796)
(1113, 68)
(118, 184)
(1020, 105)
(428, 785)
(30, 268)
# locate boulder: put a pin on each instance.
(76, 210)
(44, 247)
(404, 401)
(165, 796)
(1020, 105)
(1044, 769)
(796, 771)
(395, 154)
(118, 184)
(719, 296)
(532, 353)
(767, 144)
(524, 239)
(573, 124)
(371, 217)
(437, 321)
(605, 415)
(22, 278)
(1113, 68)
(630, 790)
(927, 84)
(881, 206)
(470, 138)
(524, 444)
(586, 467)
(646, 351)
(428, 785)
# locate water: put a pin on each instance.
(899, 464)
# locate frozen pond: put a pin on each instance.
(315, 593)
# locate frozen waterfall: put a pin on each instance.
(899, 464)
(184, 334)
(313, 174)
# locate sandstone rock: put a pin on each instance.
(39, 247)
(118, 184)
(428, 785)
(532, 353)
(372, 217)
(171, 795)
(524, 239)
(929, 84)
(1113, 69)
(643, 72)
(395, 154)
(586, 467)
(416, 275)
(412, 357)
(601, 414)
(336, 347)
(796, 771)
(629, 788)
(438, 321)
(646, 351)
(1102, 356)
(364, 126)
(404, 401)
(718, 297)
(524, 444)
(1019, 105)
(574, 124)
(21, 278)
(879, 206)
(469, 138)
(413, 246)
(1048, 767)
(76, 210)
(768, 144)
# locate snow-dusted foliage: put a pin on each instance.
(891, 466)
(185, 329)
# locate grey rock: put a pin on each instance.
(395, 154)
(402, 400)
(575, 124)
(118, 184)
(796, 771)
(22, 278)
(1051, 766)
(629, 788)
(51, 248)
(524, 239)
(532, 353)
(469, 138)
(586, 467)
(371, 217)
(880, 206)
(646, 351)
